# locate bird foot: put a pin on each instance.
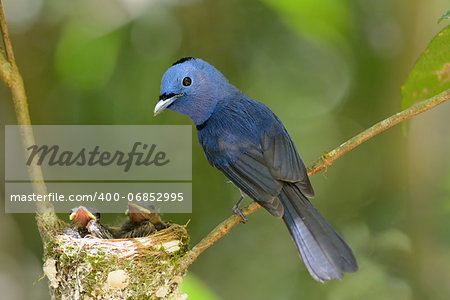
(237, 211)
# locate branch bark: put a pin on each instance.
(323, 162)
(9, 72)
(5, 36)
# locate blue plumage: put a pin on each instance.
(246, 141)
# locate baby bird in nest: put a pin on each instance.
(86, 221)
(143, 220)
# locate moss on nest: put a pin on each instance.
(139, 268)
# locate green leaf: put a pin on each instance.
(444, 16)
(431, 72)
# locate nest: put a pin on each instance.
(137, 268)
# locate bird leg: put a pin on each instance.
(237, 211)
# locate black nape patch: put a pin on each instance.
(182, 60)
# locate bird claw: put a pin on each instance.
(237, 211)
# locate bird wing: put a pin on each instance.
(284, 162)
(250, 174)
(261, 170)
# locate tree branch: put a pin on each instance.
(419, 107)
(325, 161)
(5, 36)
(9, 73)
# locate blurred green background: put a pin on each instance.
(327, 68)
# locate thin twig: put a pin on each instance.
(9, 73)
(419, 107)
(5, 36)
(325, 161)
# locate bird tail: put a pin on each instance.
(322, 250)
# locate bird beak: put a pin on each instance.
(92, 216)
(134, 208)
(82, 211)
(164, 101)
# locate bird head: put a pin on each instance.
(139, 212)
(81, 215)
(192, 87)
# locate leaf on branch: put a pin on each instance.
(444, 16)
(431, 72)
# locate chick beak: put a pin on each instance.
(165, 100)
(92, 216)
(134, 208)
(81, 212)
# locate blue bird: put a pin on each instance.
(248, 143)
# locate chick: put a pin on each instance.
(143, 220)
(80, 217)
(86, 221)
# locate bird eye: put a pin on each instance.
(187, 81)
